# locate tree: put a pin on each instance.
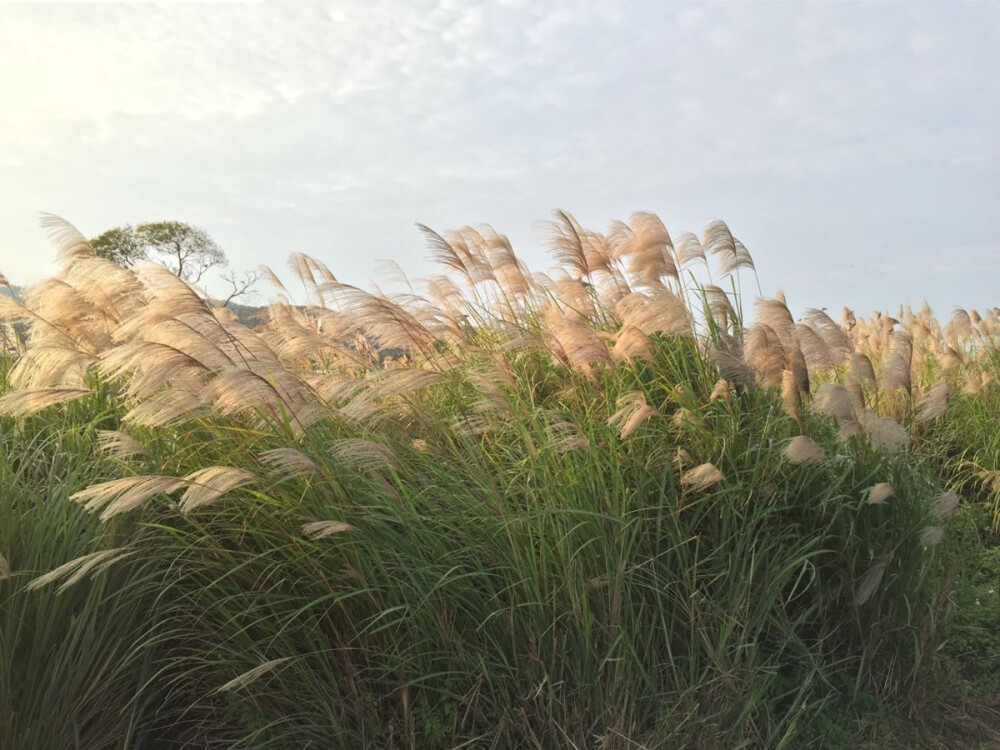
(186, 251)
(120, 245)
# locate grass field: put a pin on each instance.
(587, 508)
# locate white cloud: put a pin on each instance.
(294, 124)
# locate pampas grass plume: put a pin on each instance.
(931, 535)
(321, 529)
(934, 404)
(869, 583)
(879, 493)
(720, 391)
(803, 450)
(945, 504)
(701, 476)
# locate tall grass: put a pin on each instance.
(587, 508)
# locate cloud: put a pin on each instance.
(332, 127)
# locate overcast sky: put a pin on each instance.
(853, 147)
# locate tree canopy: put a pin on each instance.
(185, 250)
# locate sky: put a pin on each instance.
(854, 147)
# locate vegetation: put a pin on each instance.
(187, 251)
(584, 509)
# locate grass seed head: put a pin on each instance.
(208, 485)
(250, 675)
(869, 582)
(288, 462)
(701, 477)
(321, 529)
(833, 400)
(934, 404)
(885, 432)
(23, 403)
(945, 504)
(802, 449)
(879, 493)
(720, 391)
(117, 445)
(931, 535)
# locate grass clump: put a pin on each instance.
(589, 508)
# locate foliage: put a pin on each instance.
(122, 245)
(186, 251)
(587, 509)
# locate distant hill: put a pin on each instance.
(248, 315)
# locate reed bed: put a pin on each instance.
(590, 507)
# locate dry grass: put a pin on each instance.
(523, 375)
(178, 357)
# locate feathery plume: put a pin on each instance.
(720, 307)
(896, 373)
(321, 529)
(684, 418)
(363, 455)
(766, 355)
(847, 319)
(869, 582)
(862, 370)
(631, 343)
(934, 404)
(26, 402)
(973, 382)
(564, 436)
(208, 485)
(856, 394)
(945, 504)
(931, 535)
(632, 412)
(774, 313)
(682, 458)
(959, 329)
(646, 247)
(660, 311)
(120, 495)
(77, 569)
(832, 400)
(790, 395)
(728, 355)
(565, 240)
(720, 391)
(849, 430)
(885, 432)
(576, 343)
(701, 477)
(815, 350)
(689, 249)
(250, 675)
(119, 446)
(803, 450)
(69, 244)
(879, 493)
(729, 252)
(834, 336)
(950, 359)
(288, 462)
